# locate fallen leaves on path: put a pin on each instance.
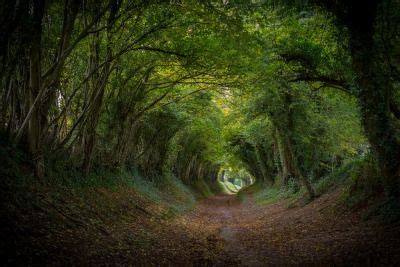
(253, 235)
(111, 230)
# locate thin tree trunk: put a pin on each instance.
(263, 164)
(99, 84)
(34, 127)
(284, 159)
(298, 173)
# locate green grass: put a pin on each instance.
(272, 195)
(88, 207)
(231, 187)
(178, 196)
(222, 187)
(341, 176)
(264, 195)
(62, 176)
(202, 189)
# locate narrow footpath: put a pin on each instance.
(268, 235)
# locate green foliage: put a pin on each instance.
(178, 92)
(365, 184)
(110, 109)
(341, 176)
(223, 188)
(230, 187)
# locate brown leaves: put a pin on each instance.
(123, 228)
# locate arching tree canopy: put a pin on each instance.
(285, 91)
(209, 95)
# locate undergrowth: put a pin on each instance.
(358, 180)
(339, 177)
(231, 188)
(264, 195)
(65, 212)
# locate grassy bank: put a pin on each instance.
(68, 218)
(360, 190)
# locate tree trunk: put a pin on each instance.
(34, 127)
(53, 81)
(95, 103)
(289, 155)
(374, 94)
(284, 159)
(264, 167)
(99, 83)
(359, 16)
(276, 155)
(298, 173)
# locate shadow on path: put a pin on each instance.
(254, 235)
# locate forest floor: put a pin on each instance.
(312, 234)
(114, 228)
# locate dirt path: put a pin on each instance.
(254, 235)
(220, 231)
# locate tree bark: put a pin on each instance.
(99, 84)
(266, 171)
(375, 96)
(375, 92)
(34, 126)
(284, 159)
(359, 16)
